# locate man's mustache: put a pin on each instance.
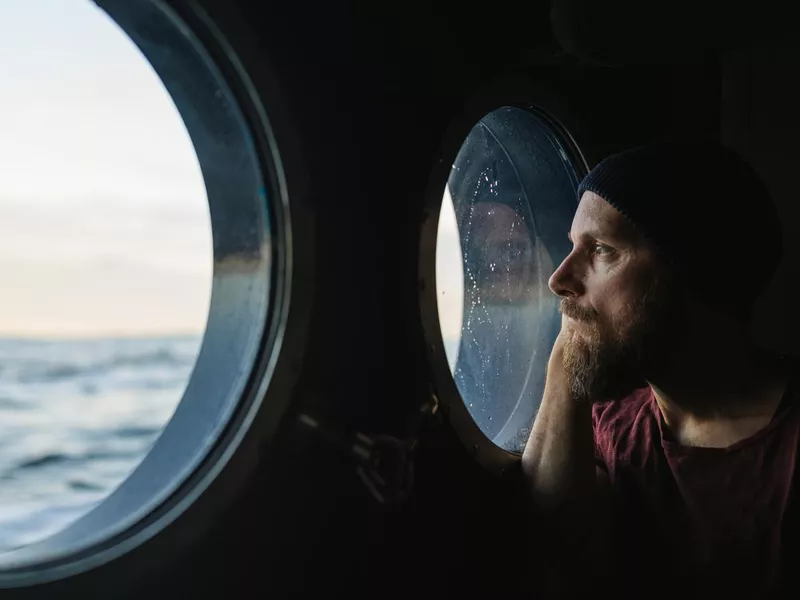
(571, 309)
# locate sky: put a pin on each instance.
(449, 270)
(104, 223)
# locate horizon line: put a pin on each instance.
(89, 337)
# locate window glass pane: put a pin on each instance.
(510, 197)
(106, 255)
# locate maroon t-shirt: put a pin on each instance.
(697, 521)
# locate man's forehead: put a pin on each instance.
(497, 210)
(497, 217)
(596, 216)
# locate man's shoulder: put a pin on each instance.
(623, 424)
(622, 409)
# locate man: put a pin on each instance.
(663, 453)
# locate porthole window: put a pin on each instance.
(143, 222)
(106, 255)
(506, 211)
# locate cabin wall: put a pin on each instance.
(759, 117)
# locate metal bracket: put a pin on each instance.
(384, 463)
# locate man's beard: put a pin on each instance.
(609, 362)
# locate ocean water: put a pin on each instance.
(76, 417)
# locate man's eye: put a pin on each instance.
(601, 249)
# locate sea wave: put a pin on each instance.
(58, 458)
(45, 372)
(76, 418)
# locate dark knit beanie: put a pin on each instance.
(704, 209)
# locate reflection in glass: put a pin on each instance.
(106, 255)
(512, 192)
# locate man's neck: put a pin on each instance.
(717, 397)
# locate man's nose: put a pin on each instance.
(564, 282)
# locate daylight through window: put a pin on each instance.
(106, 255)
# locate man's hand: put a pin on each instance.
(567, 492)
(555, 364)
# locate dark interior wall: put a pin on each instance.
(759, 118)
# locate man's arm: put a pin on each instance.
(568, 490)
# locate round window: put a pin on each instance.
(507, 208)
(143, 241)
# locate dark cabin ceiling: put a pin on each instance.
(626, 32)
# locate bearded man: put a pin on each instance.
(662, 458)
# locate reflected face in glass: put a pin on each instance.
(511, 186)
(617, 298)
(501, 253)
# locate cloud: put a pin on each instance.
(104, 221)
(97, 298)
